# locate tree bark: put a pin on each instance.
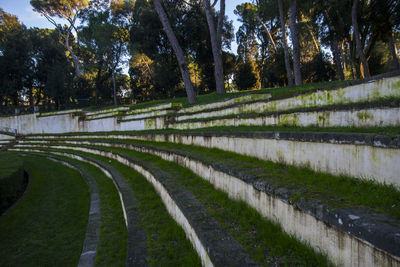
(114, 89)
(337, 58)
(285, 46)
(393, 50)
(216, 43)
(267, 30)
(356, 34)
(295, 43)
(177, 50)
(75, 59)
(336, 50)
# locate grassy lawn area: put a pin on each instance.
(48, 226)
(12, 180)
(10, 163)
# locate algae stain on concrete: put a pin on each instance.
(364, 116)
(288, 120)
(323, 118)
(149, 124)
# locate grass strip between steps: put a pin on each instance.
(48, 226)
(167, 242)
(388, 130)
(263, 240)
(112, 243)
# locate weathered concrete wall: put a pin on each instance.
(105, 111)
(49, 124)
(59, 112)
(149, 114)
(383, 88)
(221, 104)
(6, 137)
(153, 108)
(376, 117)
(352, 158)
(66, 123)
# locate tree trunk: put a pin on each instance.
(336, 50)
(178, 51)
(114, 89)
(295, 43)
(75, 59)
(215, 36)
(267, 30)
(393, 49)
(356, 34)
(285, 46)
(337, 58)
(98, 82)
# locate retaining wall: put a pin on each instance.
(374, 117)
(364, 156)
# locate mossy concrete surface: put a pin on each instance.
(373, 91)
(110, 119)
(225, 103)
(374, 117)
(365, 156)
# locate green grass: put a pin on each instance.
(10, 163)
(167, 242)
(12, 180)
(389, 130)
(112, 245)
(48, 226)
(264, 241)
(337, 191)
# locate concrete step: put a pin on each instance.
(335, 231)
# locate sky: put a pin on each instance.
(23, 10)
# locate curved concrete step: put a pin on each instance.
(340, 117)
(365, 156)
(363, 91)
(213, 244)
(375, 235)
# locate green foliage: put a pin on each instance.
(149, 40)
(37, 66)
(60, 8)
(247, 77)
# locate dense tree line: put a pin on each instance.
(181, 48)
